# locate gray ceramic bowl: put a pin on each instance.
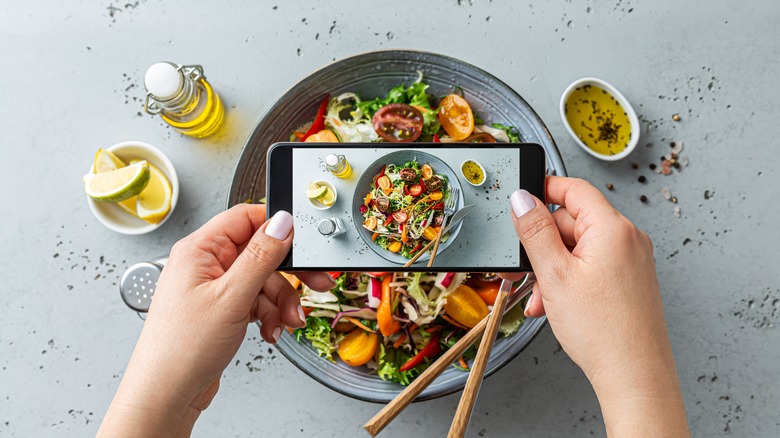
(373, 74)
(399, 158)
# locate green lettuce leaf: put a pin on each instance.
(511, 132)
(415, 291)
(390, 362)
(317, 331)
(512, 320)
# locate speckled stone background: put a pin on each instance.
(71, 82)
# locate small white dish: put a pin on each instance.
(319, 205)
(632, 118)
(484, 173)
(111, 215)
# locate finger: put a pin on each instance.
(534, 307)
(539, 235)
(263, 253)
(577, 195)
(280, 292)
(565, 224)
(270, 323)
(319, 281)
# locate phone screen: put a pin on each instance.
(379, 207)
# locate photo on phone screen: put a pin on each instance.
(378, 207)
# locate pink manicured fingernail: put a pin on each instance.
(301, 314)
(528, 305)
(280, 225)
(277, 333)
(522, 202)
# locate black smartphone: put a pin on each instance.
(382, 206)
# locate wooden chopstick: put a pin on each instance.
(379, 421)
(435, 247)
(469, 398)
(419, 253)
(402, 400)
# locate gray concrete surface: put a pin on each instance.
(71, 82)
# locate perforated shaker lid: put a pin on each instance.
(163, 80)
(138, 284)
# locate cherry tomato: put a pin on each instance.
(436, 195)
(438, 206)
(382, 203)
(415, 190)
(480, 137)
(434, 183)
(408, 174)
(400, 216)
(427, 171)
(370, 223)
(394, 246)
(465, 306)
(324, 136)
(399, 122)
(429, 233)
(456, 117)
(384, 183)
(358, 347)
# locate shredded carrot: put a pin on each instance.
(413, 327)
(432, 329)
(359, 324)
(400, 341)
(455, 323)
(374, 236)
(463, 363)
(299, 134)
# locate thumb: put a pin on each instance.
(262, 255)
(539, 235)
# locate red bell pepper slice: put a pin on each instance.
(431, 350)
(406, 189)
(436, 139)
(422, 185)
(389, 220)
(438, 206)
(335, 275)
(319, 120)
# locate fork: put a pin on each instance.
(449, 210)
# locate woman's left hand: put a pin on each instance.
(216, 281)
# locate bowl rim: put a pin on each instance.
(556, 159)
(320, 206)
(170, 173)
(632, 117)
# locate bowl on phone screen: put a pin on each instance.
(370, 75)
(398, 158)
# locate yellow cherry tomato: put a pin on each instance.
(456, 117)
(436, 195)
(465, 306)
(358, 347)
(394, 246)
(429, 233)
(324, 136)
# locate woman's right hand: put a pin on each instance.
(596, 282)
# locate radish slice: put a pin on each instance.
(374, 292)
(447, 279)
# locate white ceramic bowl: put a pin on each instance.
(484, 173)
(632, 118)
(319, 205)
(111, 215)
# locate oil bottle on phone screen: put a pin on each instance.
(338, 166)
(183, 98)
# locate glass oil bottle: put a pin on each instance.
(183, 98)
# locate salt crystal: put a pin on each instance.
(678, 147)
(677, 212)
(667, 193)
(684, 161)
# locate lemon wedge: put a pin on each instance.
(154, 202)
(117, 185)
(313, 186)
(328, 198)
(106, 161)
(316, 193)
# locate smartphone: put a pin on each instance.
(390, 202)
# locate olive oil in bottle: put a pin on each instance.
(183, 98)
(338, 166)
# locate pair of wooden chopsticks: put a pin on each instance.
(421, 252)
(488, 326)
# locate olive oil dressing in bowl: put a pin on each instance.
(600, 119)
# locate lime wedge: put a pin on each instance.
(328, 198)
(317, 193)
(117, 185)
(154, 201)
